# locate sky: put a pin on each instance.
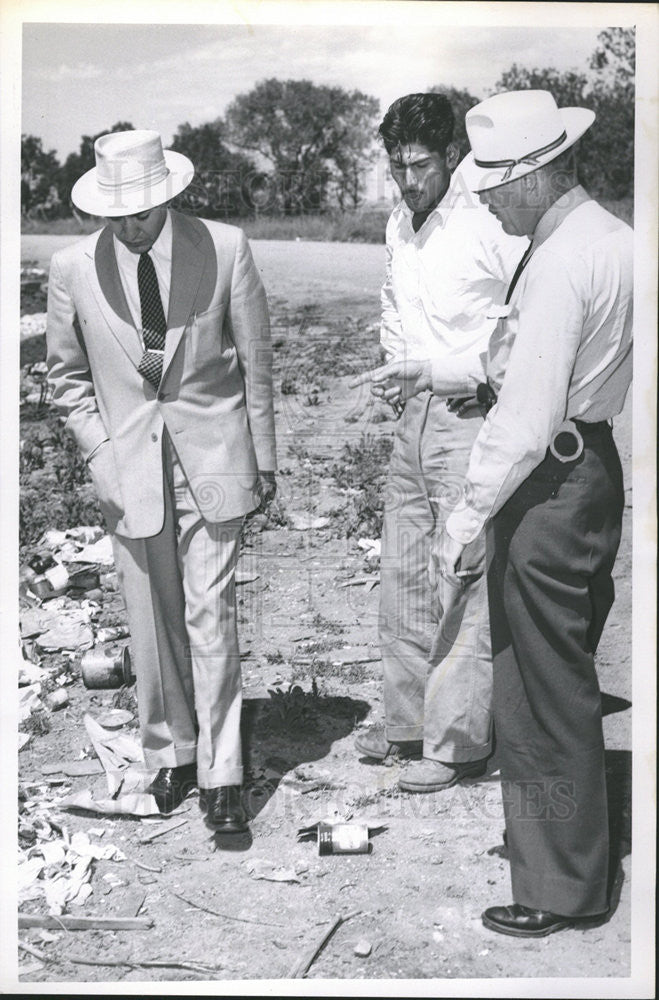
(79, 79)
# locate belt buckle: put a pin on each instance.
(567, 427)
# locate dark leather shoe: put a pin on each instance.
(171, 785)
(522, 921)
(224, 810)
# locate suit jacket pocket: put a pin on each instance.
(103, 471)
(208, 338)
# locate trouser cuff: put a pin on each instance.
(170, 756)
(398, 734)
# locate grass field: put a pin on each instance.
(366, 225)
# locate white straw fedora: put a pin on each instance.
(132, 174)
(514, 133)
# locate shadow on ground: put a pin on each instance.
(290, 728)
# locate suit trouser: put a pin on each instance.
(179, 589)
(555, 542)
(437, 681)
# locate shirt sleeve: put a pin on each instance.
(391, 329)
(532, 402)
(458, 374)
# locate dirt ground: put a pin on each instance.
(251, 908)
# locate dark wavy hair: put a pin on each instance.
(427, 119)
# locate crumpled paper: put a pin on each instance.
(61, 870)
(123, 762)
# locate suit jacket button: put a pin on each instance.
(154, 437)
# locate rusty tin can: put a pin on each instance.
(106, 667)
(343, 838)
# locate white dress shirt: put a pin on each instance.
(441, 283)
(161, 255)
(565, 348)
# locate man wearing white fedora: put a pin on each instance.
(159, 356)
(544, 474)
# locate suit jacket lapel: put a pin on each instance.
(109, 293)
(188, 265)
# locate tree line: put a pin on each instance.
(289, 147)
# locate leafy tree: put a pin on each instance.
(39, 174)
(315, 139)
(221, 185)
(461, 101)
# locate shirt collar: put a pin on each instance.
(557, 212)
(162, 248)
(441, 209)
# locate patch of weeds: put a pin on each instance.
(361, 471)
(277, 657)
(293, 710)
(55, 486)
(328, 627)
(37, 723)
(368, 799)
(352, 673)
(323, 645)
(125, 698)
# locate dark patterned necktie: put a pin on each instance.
(154, 325)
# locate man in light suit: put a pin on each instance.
(159, 356)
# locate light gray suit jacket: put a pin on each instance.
(215, 397)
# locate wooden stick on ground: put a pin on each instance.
(84, 923)
(136, 963)
(304, 963)
(160, 831)
(216, 913)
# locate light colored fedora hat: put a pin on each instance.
(132, 174)
(514, 133)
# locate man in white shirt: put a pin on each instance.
(159, 357)
(448, 263)
(544, 472)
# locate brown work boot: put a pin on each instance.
(374, 743)
(433, 776)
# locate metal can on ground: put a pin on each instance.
(106, 667)
(343, 838)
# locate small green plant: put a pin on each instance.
(37, 723)
(293, 710)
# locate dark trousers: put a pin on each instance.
(555, 542)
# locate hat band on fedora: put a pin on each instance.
(530, 158)
(144, 178)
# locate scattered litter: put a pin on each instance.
(368, 582)
(97, 552)
(74, 768)
(86, 534)
(104, 667)
(306, 521)
(23, 740)
(28, 701)
(57, 700)
(66, 629)
(343, 838)
(261, 868)
(61, 869)
(112, 633)
(121, 757)
(115, 718)
(246, 577)
(363, 948)
(30, 673)
(371, 546)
